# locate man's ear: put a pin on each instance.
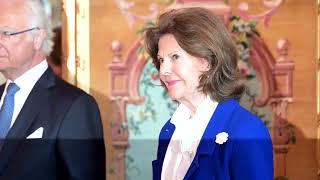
(39, 39)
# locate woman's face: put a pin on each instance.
(179, 71)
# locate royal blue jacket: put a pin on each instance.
(246, 155)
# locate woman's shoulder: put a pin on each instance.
(245, 124)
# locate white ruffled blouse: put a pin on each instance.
(185, 139)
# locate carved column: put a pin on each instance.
(282, 134)
(282, 130)
(124, 85)
(119, 135)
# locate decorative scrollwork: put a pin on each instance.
(265, 16)
(125, 6)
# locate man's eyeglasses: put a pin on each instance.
(6, 35)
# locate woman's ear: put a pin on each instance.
(39, 39)
(205, 66)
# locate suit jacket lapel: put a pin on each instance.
(37, 99)
(218, 123)
(164, 140)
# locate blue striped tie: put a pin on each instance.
(6, 110)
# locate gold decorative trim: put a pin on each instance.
(318, 90)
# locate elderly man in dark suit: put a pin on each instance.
(49, 129)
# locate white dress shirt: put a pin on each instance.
(25, 82)
(186, 137)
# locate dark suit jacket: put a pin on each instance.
(72, 144)
(246, 155)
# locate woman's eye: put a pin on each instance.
(175, 57)
(160, 60)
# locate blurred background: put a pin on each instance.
(99, 48)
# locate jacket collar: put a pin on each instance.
(164, 138)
